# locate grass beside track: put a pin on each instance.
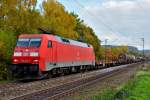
(136, 89)
(4, 81)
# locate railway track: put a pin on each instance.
(68, 88)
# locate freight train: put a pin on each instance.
(44, 55)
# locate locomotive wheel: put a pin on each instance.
(49, 75)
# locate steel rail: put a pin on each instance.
(68, 88)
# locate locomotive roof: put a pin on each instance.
(30, 35)
(51, 37)
(72, 42)
(56, 38)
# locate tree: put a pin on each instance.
(57, 20)
(86, 34)
(117, 51)
(19, 15)
(7, 42)
(16, 17)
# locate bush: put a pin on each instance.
(3, 71)
(7, 42)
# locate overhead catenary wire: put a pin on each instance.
(106, 25)
(98, 19)
(93, 15)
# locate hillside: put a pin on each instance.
(145, 51)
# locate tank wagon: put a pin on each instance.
(39, 55)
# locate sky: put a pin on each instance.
(122, 22)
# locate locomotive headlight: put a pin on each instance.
(34, 54)
(15, 60)
(17, 53)
(35, 61)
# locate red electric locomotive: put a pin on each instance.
(43, 54)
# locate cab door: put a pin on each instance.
(50, 51)
(51, 55)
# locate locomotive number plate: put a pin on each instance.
(25, 54)
(24, 61)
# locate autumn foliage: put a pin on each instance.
(23, 16)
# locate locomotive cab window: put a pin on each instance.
(49, 45)
(36, 42)
(29, 42)
(23, 42)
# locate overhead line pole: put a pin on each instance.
(143, 40)
(105, 49)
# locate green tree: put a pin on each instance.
(16, 17)
(19, 15)
(57, 20)
(86, 34)
(7, 42)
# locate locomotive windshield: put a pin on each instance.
(29, 42)
(35, 42)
